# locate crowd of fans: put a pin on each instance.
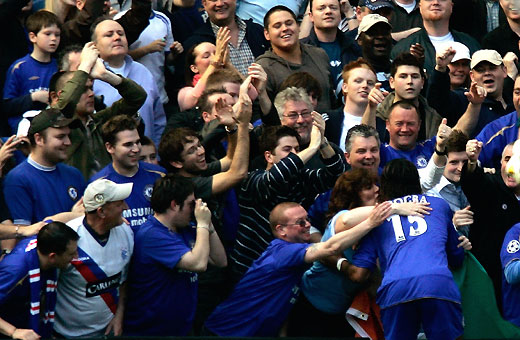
(321, 168)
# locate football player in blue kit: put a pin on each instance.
(414, 254)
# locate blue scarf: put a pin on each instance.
(41, 324)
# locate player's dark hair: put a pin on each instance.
(399, 178)
(114, 125)
(54, 237)
(170, 188)
(272, 134)
(172, 144)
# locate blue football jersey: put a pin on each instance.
(139, 200)
(414, 254)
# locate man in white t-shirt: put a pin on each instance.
(436, 33)
(358, 79)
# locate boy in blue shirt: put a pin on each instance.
(27, 82)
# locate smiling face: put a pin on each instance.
(459, 72)
(364, 153)
(453, 169)
(403, 127)
(193, 157)
(47, 39)
(53, 144)
(126, 149)
(220, 12)
(296, 228)
(282, 31)
(407, 82)
(359, 83)
(376, 42)
(297, 114)
(325, 14)
(110, 40)
(511, 9)
(489, 76)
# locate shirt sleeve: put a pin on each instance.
(366, 254)
(165, 249)
(19, 201)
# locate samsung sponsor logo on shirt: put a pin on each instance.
(103, 286)
(138, 212)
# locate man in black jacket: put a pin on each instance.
(341, 49)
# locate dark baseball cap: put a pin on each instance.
(375, 4)
(48, 118)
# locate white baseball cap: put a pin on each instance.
(370, 20)
(103, 191)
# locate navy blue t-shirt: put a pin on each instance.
(262, 300)
(161, 298)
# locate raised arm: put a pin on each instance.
(375, 97)
(69, 96)
(189, 96)
(476, 96)
(133, 95)
(196, 260)
(240, 158)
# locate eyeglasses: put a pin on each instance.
(294, 116)
(302, 223)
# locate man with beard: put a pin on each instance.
(375, 40)
(436, 33)
(341, 49)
